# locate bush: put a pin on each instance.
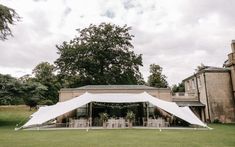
(46, 102)
(103, 117)
(130, 116)
(216, 121)
(11, 101)
(31, 102)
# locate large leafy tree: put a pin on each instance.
(45, 74)
(156, 78)
(100, 55)
(8, 16)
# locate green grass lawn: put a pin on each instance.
(220, 136)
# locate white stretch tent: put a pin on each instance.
(47, 113)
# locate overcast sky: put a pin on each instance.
(177, 35)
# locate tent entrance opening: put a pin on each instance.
(118, 111)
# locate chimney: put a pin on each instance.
(233, 46)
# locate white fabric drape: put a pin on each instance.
(44, 114)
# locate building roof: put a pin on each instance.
(189, 103)
(208, 69)
(115, 87)
(211, 68)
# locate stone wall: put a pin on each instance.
(219, 94)
(66, 94)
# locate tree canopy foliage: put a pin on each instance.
(10, 90)
(156, 78)
(19, 91)
(178, 88)
(33, 92)
(44, 74)
(100, 55)
(41, 89)
(8, 16)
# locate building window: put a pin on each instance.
(193, 84)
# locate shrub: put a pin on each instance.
(130, 116)
(103, 117)
(46, 102)
(216, 121)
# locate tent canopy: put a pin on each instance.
(47, 113)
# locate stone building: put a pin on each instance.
(215, 88)
(212, 87)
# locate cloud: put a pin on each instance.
(128, 4)
(109, 14)
(67, 11)
(176, 35)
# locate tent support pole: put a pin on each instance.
(90, 117)
(147, 109)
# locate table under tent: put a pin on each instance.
(113, 110)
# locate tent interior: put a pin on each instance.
(87, 110)
(143, 111)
